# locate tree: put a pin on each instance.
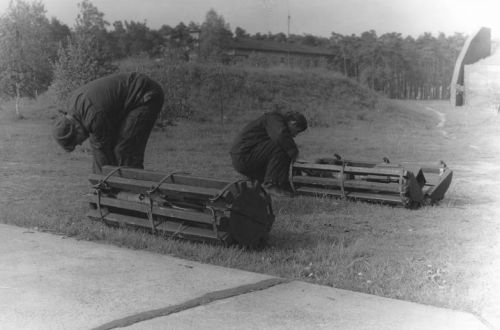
(139, 37)
(214, 37)
(241, 33)
(134, 38)
(426, 59)
(177, 44)
(180, 35)
(59, 32)
(90, 29)
(90, 21)
(310, 40)
(219, 86)
(399, 67)
(280, 37)
(369, 52)
(118, 40)
(352, 45)
(394, 72)
(25, 51)
(338, 47)
(86, 56)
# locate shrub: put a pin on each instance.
(76, 65)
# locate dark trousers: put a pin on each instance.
(267, 163)
(132, 136)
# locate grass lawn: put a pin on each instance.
(446, 255)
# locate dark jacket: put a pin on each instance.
(272, 126)
(101, 105)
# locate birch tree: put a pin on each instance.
(25, 51)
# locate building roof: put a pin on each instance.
(278, 47)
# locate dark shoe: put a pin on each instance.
(276, 191)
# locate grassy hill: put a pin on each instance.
(211, 92)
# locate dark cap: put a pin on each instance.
(64, 132)
(299, 119)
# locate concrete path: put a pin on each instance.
(49, 282)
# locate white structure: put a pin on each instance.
(476, 47)
(482, 81)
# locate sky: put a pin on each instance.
(316, 17)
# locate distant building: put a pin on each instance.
(281, 52)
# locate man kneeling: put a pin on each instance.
(265, 148)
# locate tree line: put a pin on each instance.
(37, 53)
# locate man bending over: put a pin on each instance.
(117, 114)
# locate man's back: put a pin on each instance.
(269, 126)
(116, 94)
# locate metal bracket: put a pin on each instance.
(214, 223)
(103, 185)
(99, 204)
(223, 190)
(401, 187)
(342, 189)
(150, 192)
(165, 178)
(149, 212)
(290, 177)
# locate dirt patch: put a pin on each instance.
(441, 116)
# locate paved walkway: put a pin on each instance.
(52, 282)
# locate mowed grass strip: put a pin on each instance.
(417, 255)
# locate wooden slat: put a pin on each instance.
(166, 227)
(311, 191)
(388, 171)
(163, 211)
(348, 184)
(161, 201)
(331, 161)
(356, 163)
(141, 186)
(426, 167)
(145, 175)
(361, 164)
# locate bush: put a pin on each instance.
(76, 65)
